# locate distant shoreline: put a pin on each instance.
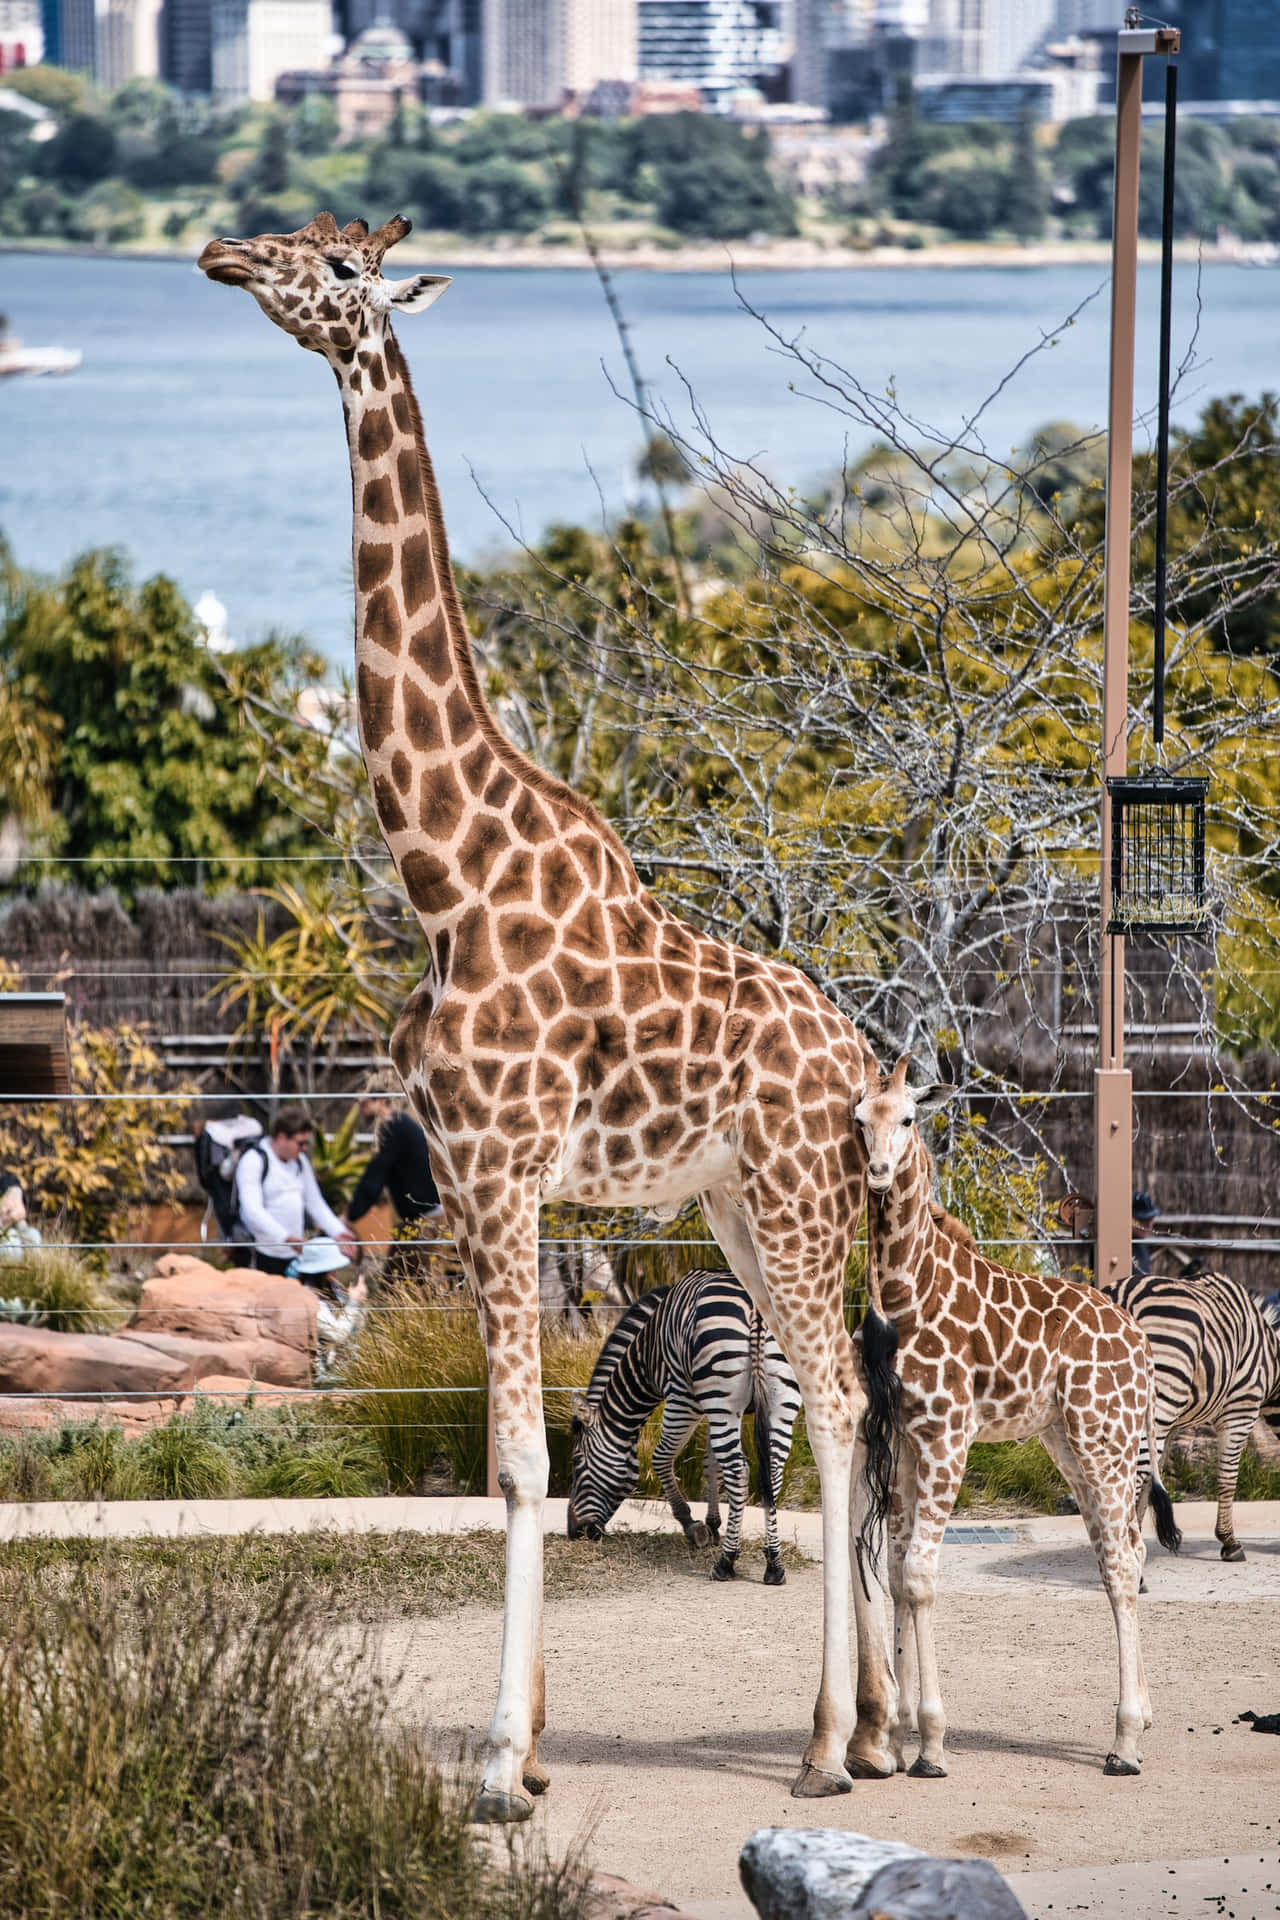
(778, 256)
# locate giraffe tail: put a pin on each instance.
(881, 1423)
(1168, 1532)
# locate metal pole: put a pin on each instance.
(1162, 429)
(1113, 1084)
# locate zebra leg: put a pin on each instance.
(775, 1574)
(712, 1476)
(724, 1440)
(1232, 1435)
(678, 1422)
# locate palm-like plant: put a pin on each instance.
(330, 977)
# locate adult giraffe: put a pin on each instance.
(572, 1039)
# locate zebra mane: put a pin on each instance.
(620, 1339)
(1270, 1310)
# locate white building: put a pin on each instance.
(255, 41)
(720, 46)
(537, 51)
(114, 40)
(21, 34)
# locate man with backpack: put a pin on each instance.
(278, 1196)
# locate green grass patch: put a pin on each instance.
(185, 1747)
(378, 1576)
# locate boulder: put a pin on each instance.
(188, 1296)
(40, 1360)
(242, 1359)
(813, 1873)
(929, 1889)
(227, 1390)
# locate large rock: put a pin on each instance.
(40, 1360)
(187, 1296)
(242, 1359)
(813, 1873)
(938, 1890)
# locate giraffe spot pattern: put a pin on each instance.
(377, 502)
(409, 472)
(440, 802)
(382, 620)
(376, 695)
(422, 721)
(373, 566)
(429, 649)
(375, 435)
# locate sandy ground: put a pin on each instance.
(678, 1713)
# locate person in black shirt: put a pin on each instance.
(400, 1168)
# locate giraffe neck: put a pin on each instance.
(905, 1239)
(452, 795)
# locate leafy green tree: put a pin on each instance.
(271, 171)
(966, 193)
(501, 196)
(898, 172)
(439, 192)
(62, 92)
(82, 152)
(1026, 201)
(108, 214)
(313, 125)
(138, 747)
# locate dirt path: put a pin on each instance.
(678, 1713)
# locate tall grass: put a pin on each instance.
(191, 1753)
(424, 1381)
(58, 1290)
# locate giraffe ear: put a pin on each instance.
(931, 1100)
(422, 291)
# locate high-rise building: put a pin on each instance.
(112, 40)
(720, 46)
(255, 41)
(536, 51)
(186, 45)
(1230, 50)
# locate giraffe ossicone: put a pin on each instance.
(572, 1038)
(988, 1353)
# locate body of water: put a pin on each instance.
(198, 437)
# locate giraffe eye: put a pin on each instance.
(344, 269)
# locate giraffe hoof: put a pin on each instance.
(494, 1808)
(723, 1568)
(698, 1535)
(713, 1528)
(871, 1766)
(1142, 1586)
(535, 1777)
(1233, 1550)
(1119, 1768)
(811, 1783)
(922, 1769)
(775, 1574)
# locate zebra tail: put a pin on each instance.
(760, 1407)
(881, 1425)
(1168, 1532)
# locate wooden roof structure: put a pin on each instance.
(33, 1044)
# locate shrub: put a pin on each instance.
(57, 1289)
(180, 1462)
(343, 1468)
(160, 1750)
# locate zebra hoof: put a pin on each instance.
(1232, 1550)
(922, 1769)
(492, 1808)
(724, 1568)
(1120, 1769)
(535, 1779)
(811, 1783)
(775, 1574)
(697, 1535)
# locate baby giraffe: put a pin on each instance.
(987, 1353)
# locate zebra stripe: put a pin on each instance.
(703, 1349)
(1217, 1355)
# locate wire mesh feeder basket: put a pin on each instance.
(1157, 854)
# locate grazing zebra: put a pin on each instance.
(701, 1347)
(1217, 1355)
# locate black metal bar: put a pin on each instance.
(1162, 429)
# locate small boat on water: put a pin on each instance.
(15, 358)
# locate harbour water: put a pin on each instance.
(197, 437)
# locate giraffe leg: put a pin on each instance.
(679, 1420)
(869, 1755)
(833, 1401)
(724, 1443)
(937, 1485)
(906, 1665)
(1232, 1435)
(502, 1258)
(1104, 1493)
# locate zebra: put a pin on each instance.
(703, 1348)
(1217, 1355)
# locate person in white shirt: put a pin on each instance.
(278, 1196)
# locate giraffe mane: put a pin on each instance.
(947, 1224)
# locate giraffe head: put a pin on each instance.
(323, 284)
(887, 1113)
